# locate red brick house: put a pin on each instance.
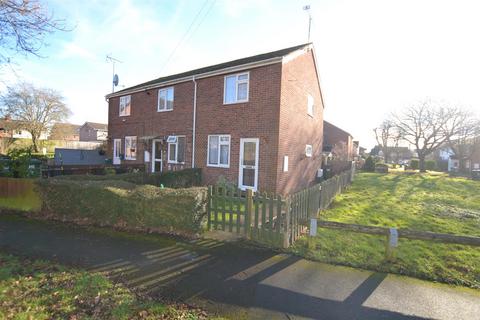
(257, 121)
(334, 137)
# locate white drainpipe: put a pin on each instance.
(194, 120)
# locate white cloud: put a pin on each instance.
(72, 50)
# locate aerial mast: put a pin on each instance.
(113, 60)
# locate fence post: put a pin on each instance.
(287, 230)
(391, 245)
(249, 212)
(352, 173)
(312, 234)
(209, 208)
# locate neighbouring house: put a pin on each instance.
(338, 150)
(91, 131)
(362, 151)
(65, 131)
(356, 149)
(337, 140)
(466, 164)
(398, 155)
(256, 121)
(15, 129)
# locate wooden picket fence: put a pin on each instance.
(269, 218)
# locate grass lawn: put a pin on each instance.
(33, 289)
(427, 202)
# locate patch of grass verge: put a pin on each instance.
(34, 289)
(424, 202)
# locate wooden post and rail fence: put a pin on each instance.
(279, 221)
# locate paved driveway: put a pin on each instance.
(237, 281)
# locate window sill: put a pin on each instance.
(124, 115)
(130, 159)
(164, 110)
(174, 162)
(218, 166)
(236, 102)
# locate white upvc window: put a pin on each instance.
(165, 99)
(308, 150)
(130, 148)
(310, 105)
(218, 154)
(125, 106)
(236, 88)
(176, 149)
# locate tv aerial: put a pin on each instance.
(115, 78)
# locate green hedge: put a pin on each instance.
(172, 179)
(124, 205)
(414, 164)
(430, 165)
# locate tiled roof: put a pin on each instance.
(220, 66)
(97, 126)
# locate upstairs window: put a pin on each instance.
(310, 105)
(218, 151)
(236, 88)
(176, 149)
(131, 148)
(125, 106)
(165, 99)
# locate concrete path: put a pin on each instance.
(239, 282)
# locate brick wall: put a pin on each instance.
(297, 128)
(258, 118)
(276, 114)
(334, 136)
(87, 133)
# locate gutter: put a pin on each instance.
(194, 120)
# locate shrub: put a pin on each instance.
(20, 162)
(430, 165)
(123, 204)
(381, 168)
(172, 179)
(225, 183)
(414, 164)
(369, 165)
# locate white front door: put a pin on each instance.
(157, 156)
(117, 148)
(248, 168)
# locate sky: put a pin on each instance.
(374, 56)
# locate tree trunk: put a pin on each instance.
(34, 143)
(421, 163)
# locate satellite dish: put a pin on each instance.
(115, 80)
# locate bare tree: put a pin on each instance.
(387, 136)
(467, 141)
(23, 27)
(429, 127)
(33, 109)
